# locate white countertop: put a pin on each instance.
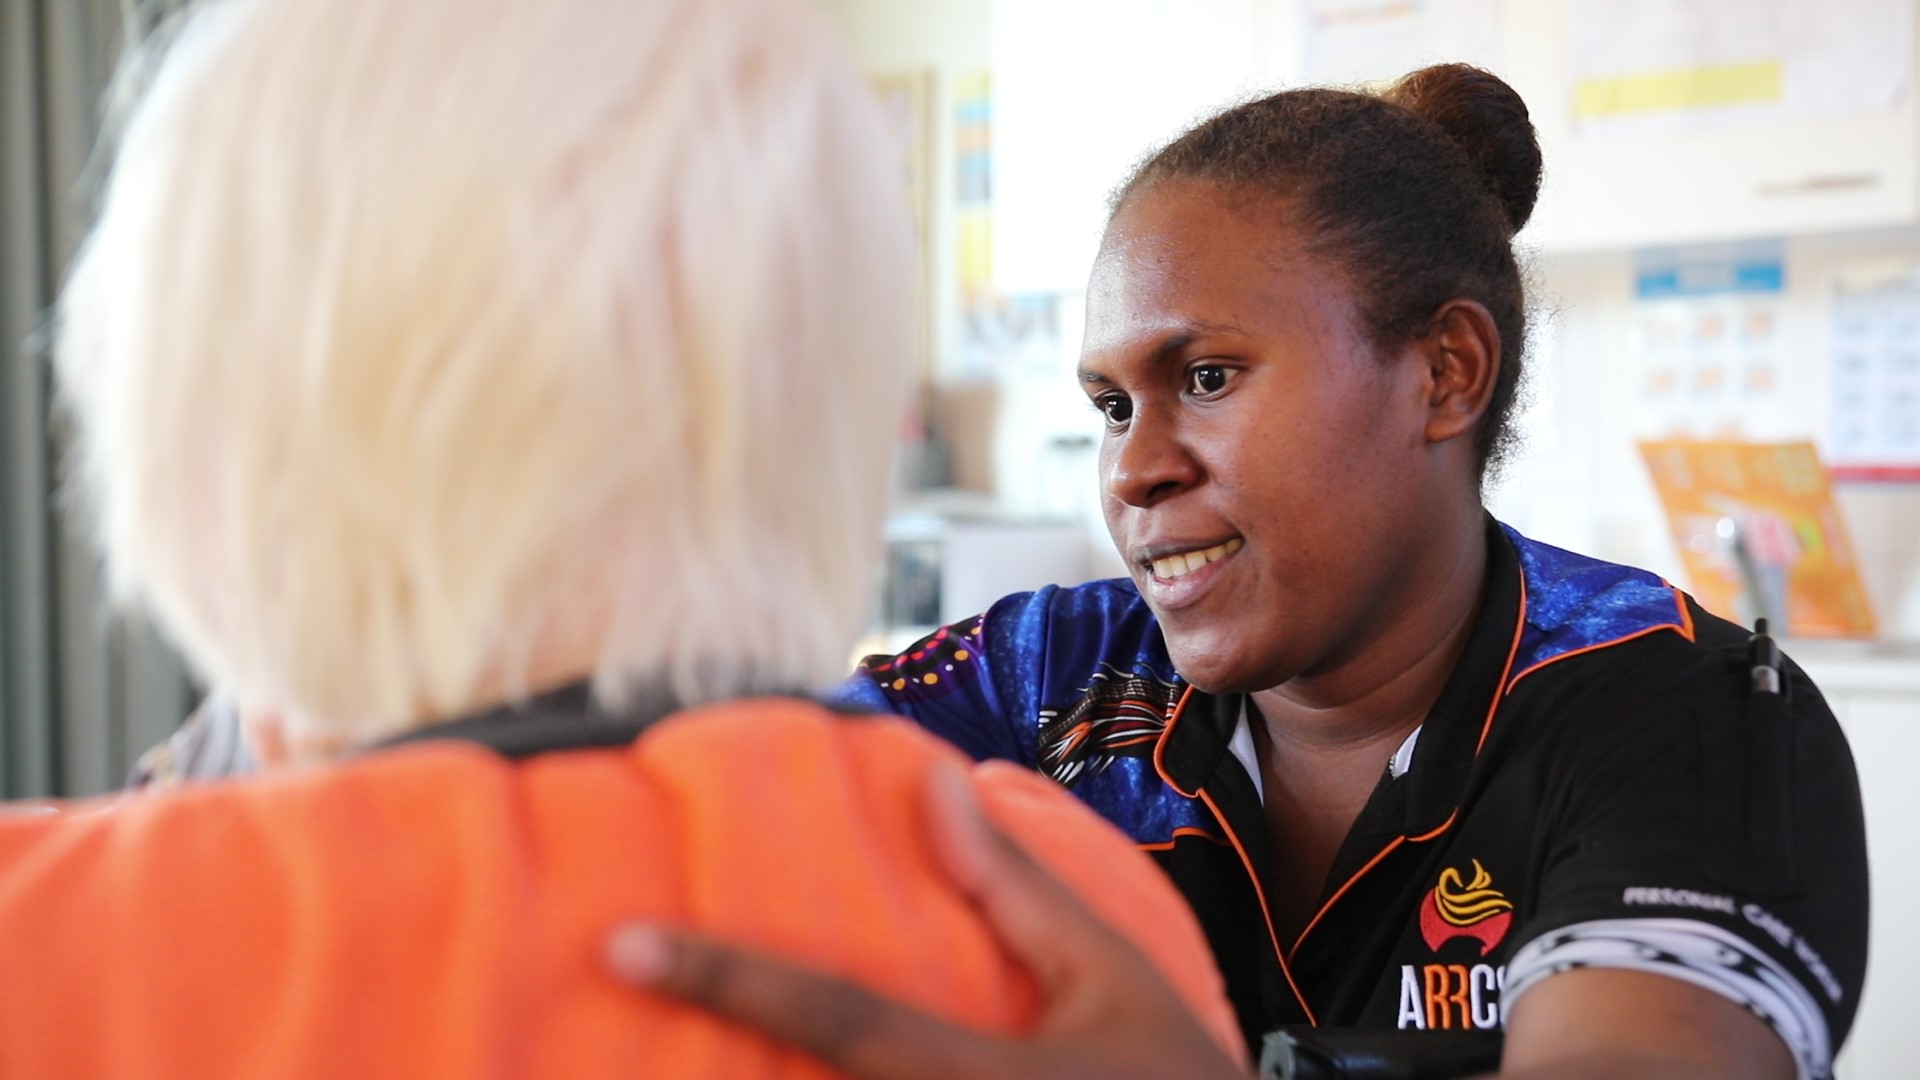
(1858, 666)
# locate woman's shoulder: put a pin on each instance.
(1574, 605)
(1604, 646)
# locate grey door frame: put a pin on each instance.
(81, 693)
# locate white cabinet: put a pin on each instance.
(1784, 178)
(1877, 699)
(1641, 184)
(1885, 732)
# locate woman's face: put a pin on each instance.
(1266, 471)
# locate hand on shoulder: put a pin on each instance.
(1105, 1009)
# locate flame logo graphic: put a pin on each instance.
(1472, 908)
(1465, 905)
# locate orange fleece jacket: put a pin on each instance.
(438, 910)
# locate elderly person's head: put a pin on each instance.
(432, 353)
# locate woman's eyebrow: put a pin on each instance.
(1169, 348)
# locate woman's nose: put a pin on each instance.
(1147, 462)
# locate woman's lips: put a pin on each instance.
(1178, 565)
(1179, 579)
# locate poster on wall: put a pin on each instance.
(1000, 333)
(1347, 41)
(1707, 342)
(973, 183)
(1654, 65)
(1873, 363)
(1759, 535)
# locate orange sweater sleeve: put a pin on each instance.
(436, 910)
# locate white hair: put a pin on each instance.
(415, 334)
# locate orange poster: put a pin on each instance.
(1758, 532)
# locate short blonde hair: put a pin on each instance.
(411, 332)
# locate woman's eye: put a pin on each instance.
(1115, 407)
(1208, 379)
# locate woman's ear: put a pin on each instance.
(1462, 348)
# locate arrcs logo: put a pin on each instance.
(1436, 996)
(1472, 908)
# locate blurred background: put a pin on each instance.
(1725, 370)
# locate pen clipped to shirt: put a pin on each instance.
(1763, 655)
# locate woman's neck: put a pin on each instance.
(1382, 688)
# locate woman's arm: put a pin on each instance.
(1607, 1023)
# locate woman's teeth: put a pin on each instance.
(1185, 563)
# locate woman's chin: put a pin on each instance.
(1214, 668)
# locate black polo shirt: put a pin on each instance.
(1597, 786)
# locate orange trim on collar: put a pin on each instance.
(1551, 660)
(1342, 891)
(1160, 748)
(1184, 830)
(1513, 650)
(1437, 830)
(1266, 911)
(1686, 616)
(1683, 627)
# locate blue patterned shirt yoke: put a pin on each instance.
(1074, 682)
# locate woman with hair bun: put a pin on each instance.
(1413, 771)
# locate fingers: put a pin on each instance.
(1041, 922)
(841, 1024)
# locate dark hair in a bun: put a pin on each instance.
(1486, 120)
(1415, 192)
